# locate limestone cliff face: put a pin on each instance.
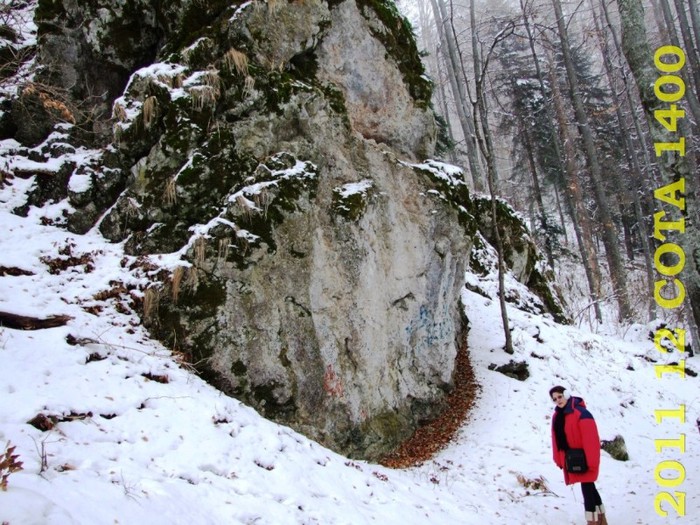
(273, 150)
(329, 271)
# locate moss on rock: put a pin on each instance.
(351, 200)
(400, 43)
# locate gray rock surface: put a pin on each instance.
(269, 152)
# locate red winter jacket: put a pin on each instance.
(581, 432)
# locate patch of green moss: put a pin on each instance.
(545, 290)
(197, 20)
(46, 11)
(280, 86)
(386, 424)
(475, 263)
(400, 43)
(305, 64)
(616, 448)
(205, 181)
(351, 206)
(238, 368)
(283, 358)
(200, 53)
(456, 195)
(444, 144)
(125, 34)
(379, 434)
(336, 100)
(263, 397)
(513, 232)
(284, 197)
(515, 238)
(285, 202)
(201, 304)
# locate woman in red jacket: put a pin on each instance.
(573, 427)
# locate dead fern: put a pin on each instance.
(537, 485)
(8, 465)
(53, 101)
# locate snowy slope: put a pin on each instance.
(140, 439)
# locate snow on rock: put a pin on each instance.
(138, 438)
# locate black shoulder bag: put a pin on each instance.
(576, 461)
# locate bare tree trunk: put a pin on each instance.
(555, 139)
(660, 20)
(638, 181)
(642, 135)
(690, 49)
(561, 215)
(693, 102)
(572, 195)
(435, 69)
(442, 100)
(579, 214)
(448, 42)
(529, 150)
(674, 167)
(612, 250)
(695, 18)
(485, 142)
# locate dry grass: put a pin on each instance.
(172, 81)
(170, 192)
(200, 251)
(262, 200)
(212, 79)
(203, 96)
(117, 133)
(224, 245)
(235, 60)
(150, 107)
(178, 80)
(246, 206)
(178, 274)
(248, 85)
(119, 112)
(192, 280)
(207, 94)
(539, 484)
(151, 300)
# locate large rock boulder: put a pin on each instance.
(262, 166)
(320, 273)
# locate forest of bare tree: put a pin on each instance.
(577, 112)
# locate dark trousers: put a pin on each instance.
(591, 498)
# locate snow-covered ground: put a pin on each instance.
(140, 439)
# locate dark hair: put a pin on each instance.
(559, 389)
